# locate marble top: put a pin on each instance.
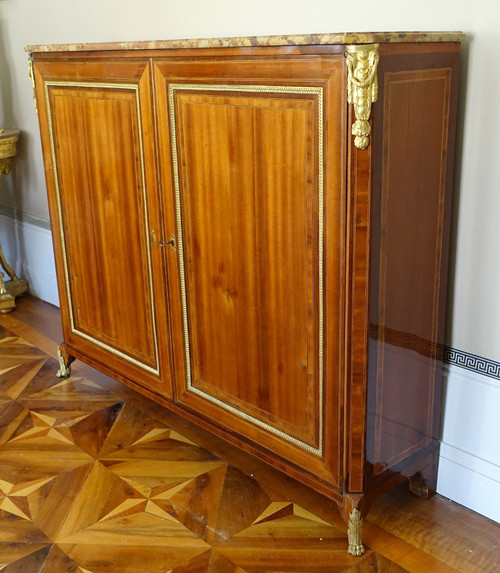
(249, 41)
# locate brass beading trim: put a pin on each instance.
(96, 85)
(318, 91)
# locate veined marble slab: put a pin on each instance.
(250, 41)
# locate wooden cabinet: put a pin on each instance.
(225, 245)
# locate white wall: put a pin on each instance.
(474, 323)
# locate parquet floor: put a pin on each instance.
(94, 479)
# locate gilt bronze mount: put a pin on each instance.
(362, 88)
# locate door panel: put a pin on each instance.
(102, 190)
(248, 253)
(248, 191)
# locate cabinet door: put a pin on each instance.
(96, 122)
(250, 195)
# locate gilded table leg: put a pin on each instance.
(11, 289)
(354, 533)
(8, 269)
(7, 301)
(65, 360)
(15, 287)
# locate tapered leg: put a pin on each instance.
(65, 361)
(351, 511)
(423, 483)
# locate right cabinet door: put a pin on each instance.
(245, 146)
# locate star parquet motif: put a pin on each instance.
(90, 483)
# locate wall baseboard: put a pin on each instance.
(469, 468)
(472, 488)
(469, 464)
(28, 249)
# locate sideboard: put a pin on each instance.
(254, 233)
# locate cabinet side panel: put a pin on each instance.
(414, 147)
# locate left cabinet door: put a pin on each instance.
(96, 120)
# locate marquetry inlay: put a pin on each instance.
(439, 80)
(87, 478)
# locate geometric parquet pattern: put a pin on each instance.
(92, 484)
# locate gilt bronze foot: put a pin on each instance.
(355, 533)
(65, 360)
